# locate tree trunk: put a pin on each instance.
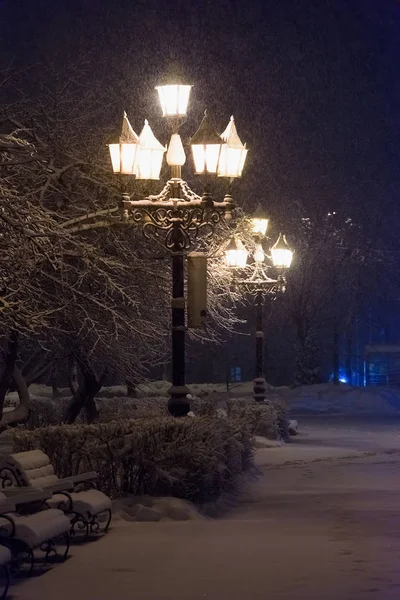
(55, 392)
(21, 412)
(10, 358)
(131, 389)
(91, 410)
(73, 374)
(307, 357)
(83, 397)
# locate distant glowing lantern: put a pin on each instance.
(236, 254)
(259, 221)
(150, 156)
(206, 147)
(176, 155)
(281, 253)
(259, 255)
(233, 153)
(174, 99)
(125, 153)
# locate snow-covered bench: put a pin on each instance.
(22, 534)
(86, 508)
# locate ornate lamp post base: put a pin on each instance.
(259, 389)
(178, 404)
(260, 287)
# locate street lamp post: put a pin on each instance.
(255, 281)
(259, 379)
(177, 211)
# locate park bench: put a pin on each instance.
(28, 526)
(77, 495)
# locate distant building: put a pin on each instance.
(382, 365)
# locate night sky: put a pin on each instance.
(314, 84)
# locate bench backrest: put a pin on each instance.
(27, 469)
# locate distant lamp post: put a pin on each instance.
(281, 253)
(177, 211)
(206, 147)
(259, 221)
(125, 152)
(233, 153)
(150, 155)
(256, 282)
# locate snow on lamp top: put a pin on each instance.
(176, 154)
(233, 152)
(150, 156)
(259, 254)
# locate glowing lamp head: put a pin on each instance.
(150, 156)
(174, 99)
(206, 147)
(281, 253)
(125, 152)
(236, 254)
(259, 221)
(233, 153)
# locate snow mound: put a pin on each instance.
(327, 398)
(147, 508)
(262, 442)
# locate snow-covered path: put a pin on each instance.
(326, 527)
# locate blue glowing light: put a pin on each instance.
(342, 376)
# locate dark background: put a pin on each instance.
(314, 87)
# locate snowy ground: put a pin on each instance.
(322, 522)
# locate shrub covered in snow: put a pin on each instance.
(261, 418)
(196, 459)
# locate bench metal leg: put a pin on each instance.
(6, 572)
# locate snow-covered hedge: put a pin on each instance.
(263, 419)
(196, 459)
(160, 388)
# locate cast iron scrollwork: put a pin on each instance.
(7, 530)
(7, 478)
(260, 285)
(179, 222)
(187, 194)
